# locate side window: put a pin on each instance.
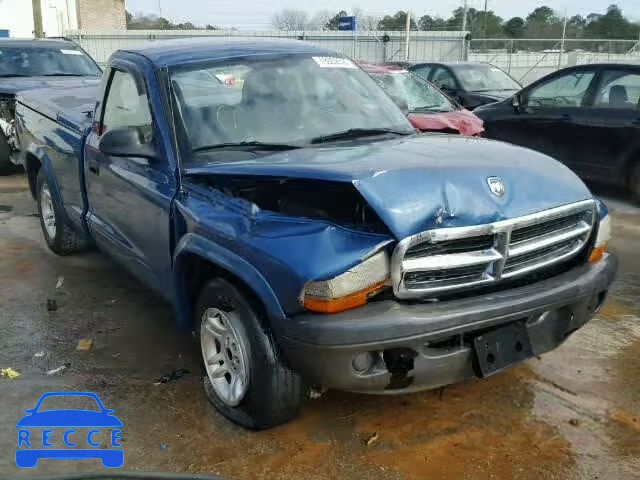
(619, 89)
(567, 91)
(423, 71)
(443, 79)
(125, 105)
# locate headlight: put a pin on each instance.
(604, 235)
(351, 289)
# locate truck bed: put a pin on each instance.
(70, 106)
(52, 126)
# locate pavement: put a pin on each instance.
(572, 414)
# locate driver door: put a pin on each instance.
(555, 117)
(129, 197)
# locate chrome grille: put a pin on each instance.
(449, 259)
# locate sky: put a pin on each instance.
(257, 14)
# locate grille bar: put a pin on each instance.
(451, 259)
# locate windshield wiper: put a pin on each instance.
(432, 108)
(253, 145)
(9, 75)
(62, 74)
(357, 132)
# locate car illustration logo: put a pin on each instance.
(496, 186)
(101, 440)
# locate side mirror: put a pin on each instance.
(128, 142)
(518, 102)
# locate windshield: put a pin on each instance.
(39, 61)
(477, 78)
(276, 99)
(419, 95)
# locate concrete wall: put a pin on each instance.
(17, 17)
(102, 14)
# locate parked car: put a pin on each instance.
(26, 64)
(428, 109)
(305, 231)
(588, 117)
(469, 84)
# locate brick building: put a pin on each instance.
(101, 15)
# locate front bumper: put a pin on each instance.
(428, 345)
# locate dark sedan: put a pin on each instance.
(28, 64)
(469, 84)
(587, 116)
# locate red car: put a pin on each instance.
(429, 110)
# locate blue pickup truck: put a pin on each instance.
(299, 225)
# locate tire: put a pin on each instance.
(273, 393)
(635, 184)
(63, 239)
(6, 166)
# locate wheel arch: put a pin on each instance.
(197, 260)
(32, 166)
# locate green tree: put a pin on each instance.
(543, 23)
(396, 22)
(612, 24)
(476, 22)
(514, 27)
(427, 22)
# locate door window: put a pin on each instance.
(422, 71)
(619, 89)
(126, 106)
(569, 90)
(443, 79)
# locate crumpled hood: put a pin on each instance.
(462, 121)
(12, 85)
(427, 181)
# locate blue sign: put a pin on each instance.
(35, 433)
(347, 23)
(4, 33)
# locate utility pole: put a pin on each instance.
(37, 19)
(406, 46)
(485, 24)
(564, 35)
(465, 10)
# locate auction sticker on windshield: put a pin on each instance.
(88, 431)
(334, 62)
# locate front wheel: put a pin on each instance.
(61, 237)
(6, 166)
(246, 379)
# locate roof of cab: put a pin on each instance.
(37, 42)
(186, 50)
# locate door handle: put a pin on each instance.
(94, 166)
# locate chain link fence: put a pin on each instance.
(530, 59)
(369, 46)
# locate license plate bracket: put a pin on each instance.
(501, 347)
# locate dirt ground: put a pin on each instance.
(572, 414)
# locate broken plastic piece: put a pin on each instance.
(170, 377)
(59, 369)
(84, 344)
(9, 373)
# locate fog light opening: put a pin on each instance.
(363, 362)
